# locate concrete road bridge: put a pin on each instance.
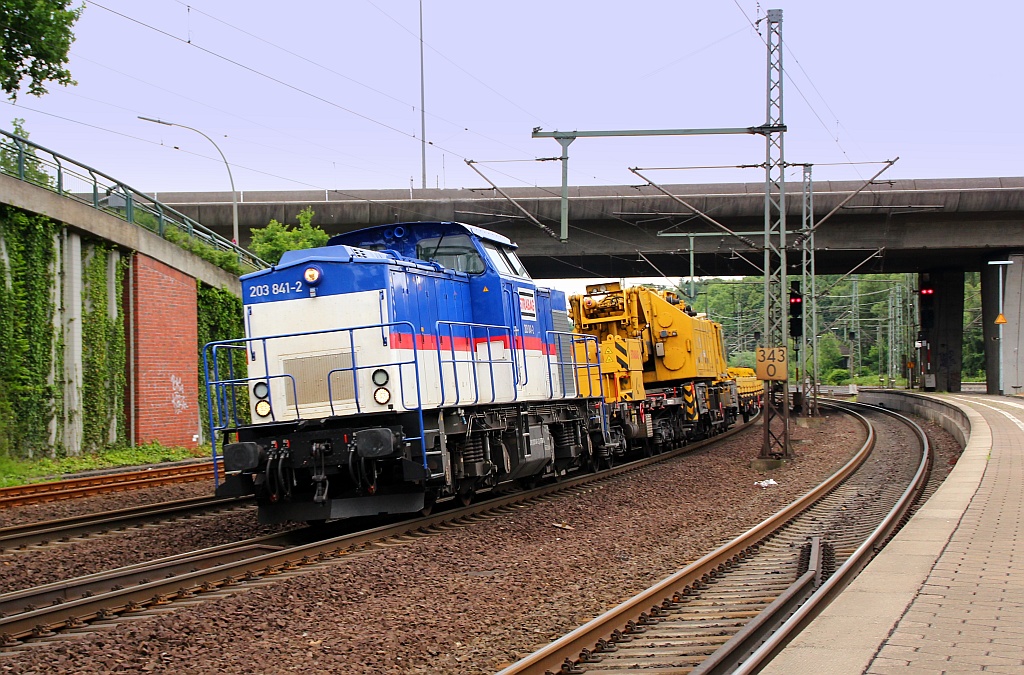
(892, 226)
(942, 227)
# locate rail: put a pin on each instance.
(72, 488)
(595, 644)
(20, 158)
(196, 580)
(575, 647)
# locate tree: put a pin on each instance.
(35, 36)
(19, 159)
(272, 241)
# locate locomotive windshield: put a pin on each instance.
(454, 251)
(505, 260)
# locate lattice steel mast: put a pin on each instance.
(776, 329)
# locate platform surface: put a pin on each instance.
(947, 593)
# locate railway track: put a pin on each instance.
(43, 611)
(734, 608)
(19, 537)
(73, 488)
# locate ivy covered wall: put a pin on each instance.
(62, 340)
(30, 344)
(220, 318)
(103, 349)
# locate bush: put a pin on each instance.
(838, 376)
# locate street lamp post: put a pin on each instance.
(234, 195)
(1000, 320)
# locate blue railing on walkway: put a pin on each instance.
(32, 163)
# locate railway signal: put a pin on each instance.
(796, 314)
(926, 304)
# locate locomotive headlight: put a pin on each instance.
(263, 407)
(260, 390)
(381, 395)
(313, 275)
(380, 377)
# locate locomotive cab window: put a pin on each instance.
(454, 251)
(505, 261)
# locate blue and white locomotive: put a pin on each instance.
(396, 367)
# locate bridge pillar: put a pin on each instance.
(1012, 340)
(940, 357)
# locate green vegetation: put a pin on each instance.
(103, 350)
(226, 260)
(29, 343)
(22, 162)
(19, 471)
(220, 318)
(35, 36)
(270, 242)
(853, 346)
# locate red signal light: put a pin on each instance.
(926, 291)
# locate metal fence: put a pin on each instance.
(32, 163)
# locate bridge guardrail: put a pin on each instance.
(40, 166)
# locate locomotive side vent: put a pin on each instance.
(310, 373)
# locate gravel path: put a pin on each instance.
(471, 600)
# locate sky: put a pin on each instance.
(326, 95)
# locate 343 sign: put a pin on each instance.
(772, 363)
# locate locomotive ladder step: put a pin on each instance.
(439, 454)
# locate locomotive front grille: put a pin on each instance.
(310, 373)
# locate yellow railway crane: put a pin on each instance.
(663, 367)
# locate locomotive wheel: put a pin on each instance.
(429, 501)
(466, 496)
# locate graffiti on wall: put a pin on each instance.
(178, 400)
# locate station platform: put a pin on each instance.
(946, 595)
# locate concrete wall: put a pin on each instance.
(948, 416)
(85, 220)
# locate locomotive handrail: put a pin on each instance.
(355, 368)
(228, 407)
(216, 393)
(519, 378)
(555, 337)
(490, 361)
